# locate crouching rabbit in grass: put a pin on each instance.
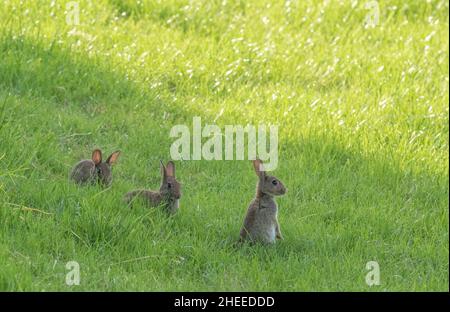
(90, 171)
(168, 195)
(261, 221)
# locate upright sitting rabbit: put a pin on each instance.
(94, 170)
(261, 221)
(169, 192)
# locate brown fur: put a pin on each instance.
(261, 221)
(168, 195)
(90, 171)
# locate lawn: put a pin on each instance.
(363, 122)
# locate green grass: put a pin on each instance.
(364, 138)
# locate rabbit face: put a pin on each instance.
(272, 186)
(268, 184)
(104, 173)
(170, 187)
(104, 169)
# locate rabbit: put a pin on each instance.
(261, 221)
(93, 170)
(169, 192)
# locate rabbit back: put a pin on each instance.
(151, 198)
(84, 172)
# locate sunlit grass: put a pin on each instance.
(363, 129)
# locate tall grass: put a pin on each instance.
(363, 131)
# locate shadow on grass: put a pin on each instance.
(64, 78)
(58, 75)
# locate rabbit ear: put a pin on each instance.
(97, 156)
(259, 169)
(170, 170)
(112, 159)
(163, 169)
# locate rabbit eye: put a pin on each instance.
(274, 182)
